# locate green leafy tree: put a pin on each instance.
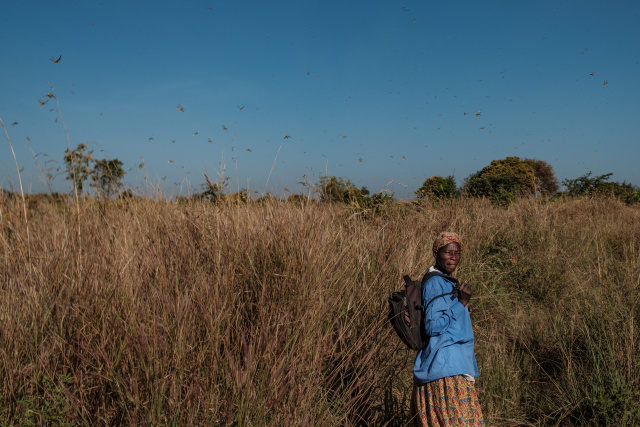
(78, 165)
(334, 189)
(624, 191)
(106, 176)
(503, 180)
(378, 202)
(437, 188)
(585, 184)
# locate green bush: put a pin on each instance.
(587, 185)
(341, 190)
(503, 180)
(337, 189)
(437, 188)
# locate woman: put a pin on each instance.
(445, 370)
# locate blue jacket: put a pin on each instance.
(447, 323)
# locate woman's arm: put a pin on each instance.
(442, 312)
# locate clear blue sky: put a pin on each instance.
(384, 93)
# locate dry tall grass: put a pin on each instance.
(151, 313)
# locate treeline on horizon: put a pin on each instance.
(502, 182)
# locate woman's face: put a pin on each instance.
(448, 257)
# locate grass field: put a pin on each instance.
(144, 312)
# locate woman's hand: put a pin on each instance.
(465, 294)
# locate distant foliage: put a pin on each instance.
(503, 180)
(334, 189)
(296, 198)
(366, 205)
(239, 197)
(587, 185)
(266, 199)
(211, 192)
(341, 190)
(105, 175)
(547, 181)
(78, 165)
(437, 188)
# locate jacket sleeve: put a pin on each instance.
(443, 311)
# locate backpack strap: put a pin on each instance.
(435, 273)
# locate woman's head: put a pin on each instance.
(447, 249)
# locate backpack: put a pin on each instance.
(409, 300)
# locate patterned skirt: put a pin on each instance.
(450, 401)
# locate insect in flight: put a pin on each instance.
(592, 74)
(180, 108)
(605, 83)
(55, 61)
(224, 127)
(240, 108)
(287, 137)
(478, 113)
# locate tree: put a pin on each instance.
(547, 182)
(437, 188)
(506, 177)
(334, 189)
(78, 165)
(106, 176)
(584, 184)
